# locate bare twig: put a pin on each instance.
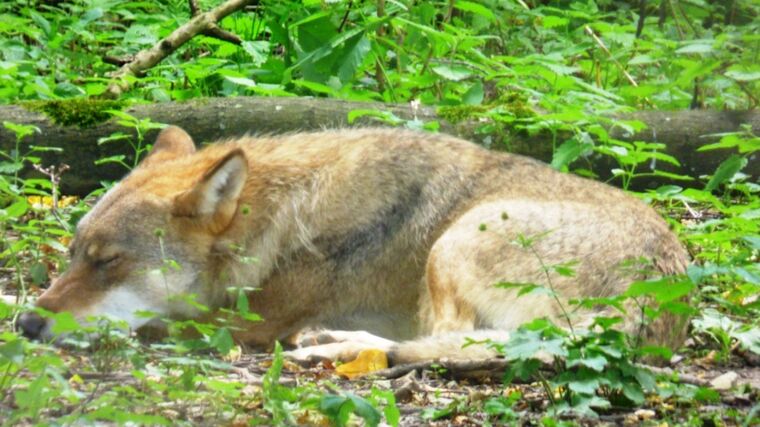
(602, 46)
(214, 30)
(345, 16)
(642, 17)
(379, 75)
(119, 61)
(54, 174)
(201, 23)
(454, 366)
(194, 8)
(617, 63)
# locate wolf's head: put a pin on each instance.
(149, 239)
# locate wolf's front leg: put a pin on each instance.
(336, 345)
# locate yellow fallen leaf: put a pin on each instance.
(367, 361)
(76, 379)
(46, 202)
(65, 240)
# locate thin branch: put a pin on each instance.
(642, 17)
(194, 8)
(379, 75)
(218, 33)
(601, 45)
(202, 23)
(118, 60)
(345, 16)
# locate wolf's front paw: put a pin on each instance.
(341, 351)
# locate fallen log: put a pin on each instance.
(210, 119)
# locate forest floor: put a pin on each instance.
(431, 395)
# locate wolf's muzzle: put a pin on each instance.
(31, 325)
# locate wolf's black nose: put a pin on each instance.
(31, 324)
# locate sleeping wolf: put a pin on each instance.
(389, 238)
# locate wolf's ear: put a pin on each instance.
(171, 143)
(215, 196)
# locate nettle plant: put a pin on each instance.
(587, 369)
(33, 217)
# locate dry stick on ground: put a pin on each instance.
(201, 23)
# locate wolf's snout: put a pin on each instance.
(31, 325)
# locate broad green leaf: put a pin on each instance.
(699, 47)
(258, 51)
(474, 95)
(727, 169)
(551, 21)
(454, 73)
(476, 8)
(64, 322)
(641, 60)
(744, 75)
(222, 341)
(569, 151)
(12, 351)
(662, 290)
(352, 56)
(584, 386)
(242, 81)
(596, 363)
(633, 393)
(39, 273)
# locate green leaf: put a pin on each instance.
(569, 151)
(641, 60)
(111, 159)
(584, 386)
(633, 393)
(742, 75)
(645, 379)
(21, 131)
(17, 209)
(242, 302)
(257, 50)
(550, 21)
(698, 47)
(476, 8)
(352, 56)
(38, 273)
(242, 81)
(222, 341)
(365, 410)
(454, 72)
(704, 394)
(64, 322)
(474, 95)
(727, 169)
(662, 290)
(596, 363)
(12, 351)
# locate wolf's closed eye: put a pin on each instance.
(106, 262)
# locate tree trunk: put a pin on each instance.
(215, 118)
